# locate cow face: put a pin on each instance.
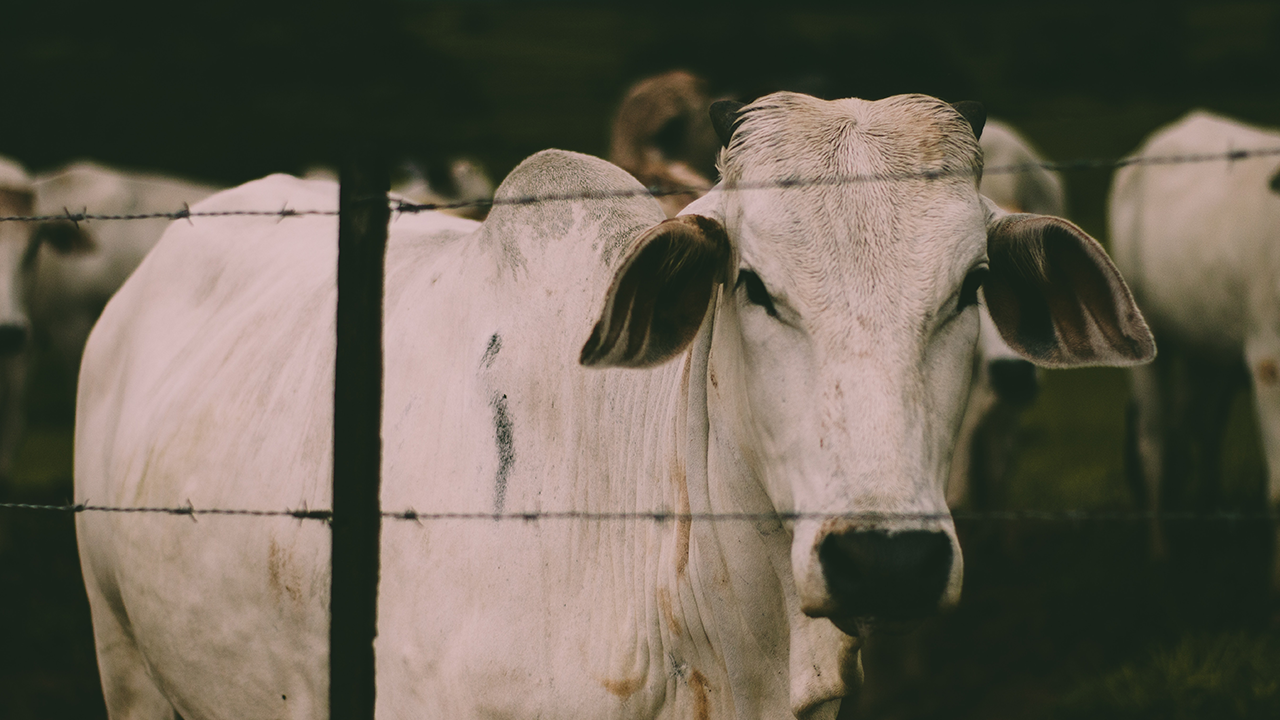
(845, 330)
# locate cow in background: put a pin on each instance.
(16, 200)
(1201, 244)
(75, 267)
(471, 184)
(663, 136)
(1004, 383)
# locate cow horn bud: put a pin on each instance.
(724, 118)
(974, 113)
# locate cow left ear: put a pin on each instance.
(659, 297)
(1056, 297)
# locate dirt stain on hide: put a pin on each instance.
(669, 612)
(681, 480)
(625, 687)
(701, 703)
(683, 525)
(281, 578)
(1268, 372)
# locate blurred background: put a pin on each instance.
(1069, 620)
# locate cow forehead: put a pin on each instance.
(876, 201)
(788, 136)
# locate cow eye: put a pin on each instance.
(969, 290)
(756, 291)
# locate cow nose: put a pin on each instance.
(1015, 381)
(874, 574)
(13, 337)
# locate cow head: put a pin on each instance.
(661, 135)
(845, 248)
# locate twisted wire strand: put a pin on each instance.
(402, 206)
(663, 516)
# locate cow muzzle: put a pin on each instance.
(874, 577)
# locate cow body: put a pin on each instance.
(1199, 241)
(485, 410)
(209, 380)
(16, 200)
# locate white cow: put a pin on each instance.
(776, 351)
(15, 201)
(1200, 243)
(77, 267)
(1004, 383)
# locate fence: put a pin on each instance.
(400, 206)
(364, 203)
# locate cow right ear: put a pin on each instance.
(1057, 299)
(660, 295)
(64, 236)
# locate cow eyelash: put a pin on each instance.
(756, 291)
(969, 289)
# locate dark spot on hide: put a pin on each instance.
(491, 352)
(502, 433)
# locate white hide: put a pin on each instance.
(68, 289)
(15, 201)
(209, 380)
(1201, 244)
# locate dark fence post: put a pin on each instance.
(357, 436)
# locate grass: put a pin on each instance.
(1225, 676)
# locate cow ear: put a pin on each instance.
(1056, 297)
(1275, 181)
(660, 295)
(64, 236)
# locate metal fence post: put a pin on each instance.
(357, 436)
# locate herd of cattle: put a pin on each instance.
(803, 355)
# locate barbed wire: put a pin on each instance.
(662, 516)
(402, 206)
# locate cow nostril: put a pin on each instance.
(12, 338)
(1015, 381)
(871, 573)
